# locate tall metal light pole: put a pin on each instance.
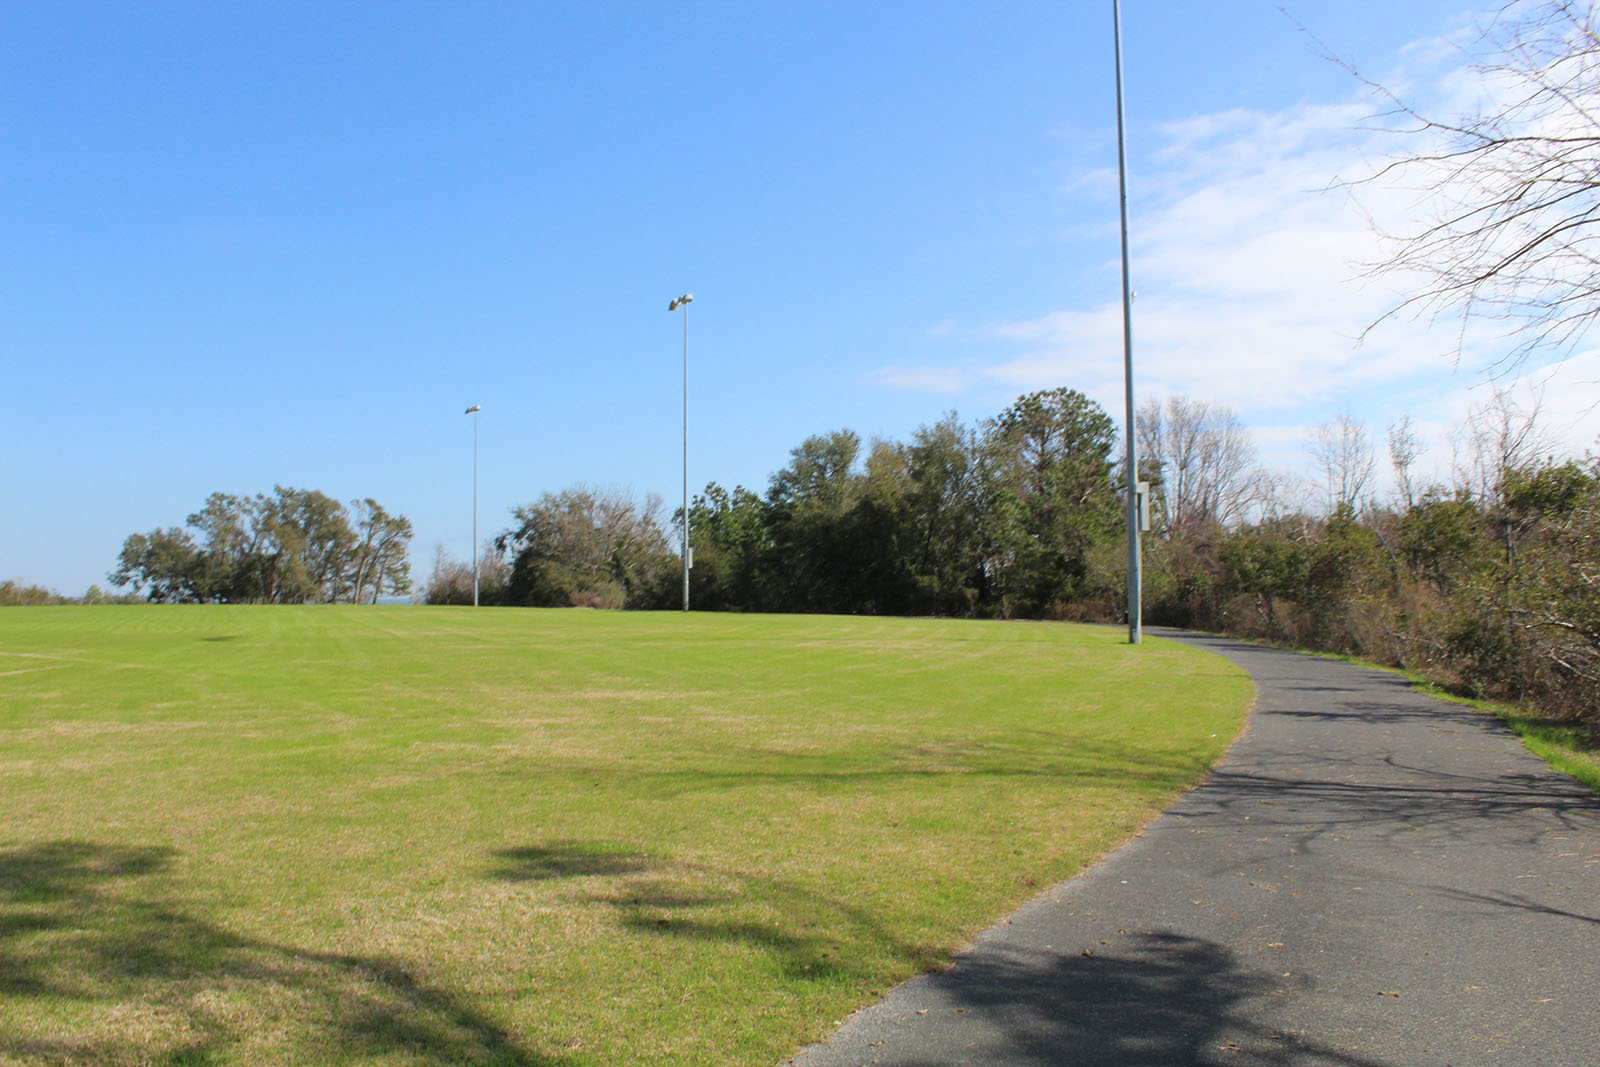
(473, 411)
(683, 302)
(1135, 610)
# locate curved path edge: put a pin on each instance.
(1371, 876)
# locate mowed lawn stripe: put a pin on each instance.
(407, 835)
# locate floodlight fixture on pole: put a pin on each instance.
(683, 302)
(473, 411)
(1135, 607)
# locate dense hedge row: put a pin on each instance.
(1496, 595)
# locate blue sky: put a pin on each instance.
(247, 245)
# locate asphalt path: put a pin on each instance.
(1370, 877)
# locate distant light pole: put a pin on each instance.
(473, 411)
(683, 302)
(1135, 610)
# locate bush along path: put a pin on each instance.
(1371, 877)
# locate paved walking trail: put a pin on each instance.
(1371, 877)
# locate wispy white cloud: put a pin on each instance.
(1242, 257)
(952, 380)
(1249, 257)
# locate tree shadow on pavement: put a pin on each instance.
(97, 964)
(1381, 799)
(1517, 902)
(1155, 999)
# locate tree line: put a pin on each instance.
(996, 520)
(1486, 580)
(1491, 590)
(292, 546)
(14, 593)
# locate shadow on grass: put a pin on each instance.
(1024, 756)
(812, 936)
(86, 934)
(563, 859)
(809, 936)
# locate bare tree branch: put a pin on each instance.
(1512, 231)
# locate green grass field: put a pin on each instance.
(433, 835)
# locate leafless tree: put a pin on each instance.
(1512, 227)
(1204, 458)
(1342, 454)
(451, 580)
(1403, 455)
(1499, 435)
(1279, 494)
(494, 569)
